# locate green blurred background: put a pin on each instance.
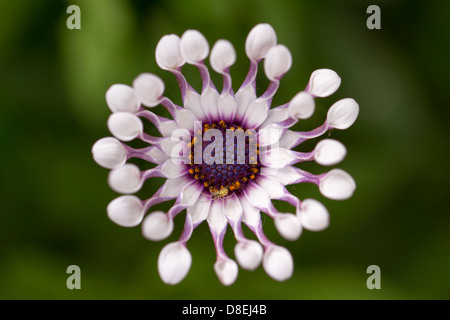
(53, 196)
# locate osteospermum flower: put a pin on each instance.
(223, 181)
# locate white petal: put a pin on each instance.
(278, 263)
(167, 145)
(272, 186)
(233, 208)
(287, 175)
(216, 218)
(157, 226)
(288, 225)
(193, 46)
(227, 107)
(122, 98)
(313, 215)
(193, 102)
(278, 61)
(149, 89)
(289, 139)
(257, 196)
(190, 193)
(226, 270)
(168, 55)
(343, 113)
(337, 185)
(248, 254)
(259, 40)
(172, 187)
(109, 153)
(251, 215)
(210, 102)
(125, 126)
(199, 212)
(277, 158)
(174, 262)
(244, 98)
(275, 115)
(185, 119)
(269, 135)
(126, 211)
(157, 155)
(256, 114)
(126, 179)
(167, 127)
(323, 83)
(301, 106)
(329, 152)
(173, 170)
(222, 55)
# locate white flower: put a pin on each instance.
(337, 184)
(249, 254)
(193, 46)
(109, 153)
(301, 106)
(329, 152)
(126, 211)
(343, 114)
(222, 56)
(288, 225)
(277, 62)
(225, 155)
(149, 89)
(259, 41)
(278, 263)
(121, 98)
(125, 126)
(174, 262)
(168, 54)
(157, 226)
(126, 179)
(313, 215)
(323, 83)
(226, 270)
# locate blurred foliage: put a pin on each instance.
(53, 196)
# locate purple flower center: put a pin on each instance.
(233, 174)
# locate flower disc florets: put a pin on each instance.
(239, 161)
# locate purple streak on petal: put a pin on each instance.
(206, 78)
(151, 173)
(150, 139)
(258, 231)
(179, 205)
(176, 209)
(287, 123)
(141, 156)
(227, 83)
(187, 230)
(139, 153)
(235, 224)
(154, 200)
(302, 156)
(184, 85)
(305, 135)
(271, 211)
(251, 76)
(270, 91)
(291, 199)
(218, 243)
(307, 177)
(170, 106)
(157, 120)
